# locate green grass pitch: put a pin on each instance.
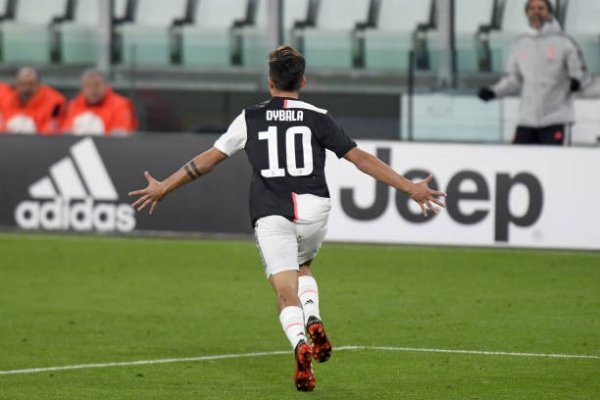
(70, 301)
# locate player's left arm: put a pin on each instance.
(418, 191)
(156, 190)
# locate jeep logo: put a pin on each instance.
(504, 183)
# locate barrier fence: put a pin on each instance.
(515, 196)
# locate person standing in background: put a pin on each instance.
(546, 67)
(98, 110)
(31, 107)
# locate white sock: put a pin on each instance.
(308, 292)
(292, 322)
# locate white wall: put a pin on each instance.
(559, 219)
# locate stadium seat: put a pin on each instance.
(248, 39)
(26, 38)
(253, 39)
(206, 42)
(581, 22)
(77, 38)
(145, 40)
(387, 46)
(329, 42)
(294, 11)
(4, 9)
(470, 15)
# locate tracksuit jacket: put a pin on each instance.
(540, 66)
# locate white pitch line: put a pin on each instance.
(280, 352)
(475, 352)
(142, 362)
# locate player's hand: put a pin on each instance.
(426, 197)
(486, 94)
(149, 196)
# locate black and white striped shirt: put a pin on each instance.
(285, 141)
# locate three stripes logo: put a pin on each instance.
(78, 194)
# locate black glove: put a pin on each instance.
(486, 94)
(575, 85)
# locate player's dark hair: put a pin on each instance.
(548, 4)
(286, 68)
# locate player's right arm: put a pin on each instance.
(376, 168)
(156, 190)
(228, 143)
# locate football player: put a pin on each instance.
(285, 140)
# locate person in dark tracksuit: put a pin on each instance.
(546, 67)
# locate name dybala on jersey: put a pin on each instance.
(285, 141)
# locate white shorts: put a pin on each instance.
(285, 245)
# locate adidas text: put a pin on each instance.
(81, 215)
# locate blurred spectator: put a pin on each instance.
(97, 110)
(546, 66)
(31, 106)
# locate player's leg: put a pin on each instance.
(311, 227)
(291, 317)
(311, 236)
(308, 292)
(276, 240)
(525, 135)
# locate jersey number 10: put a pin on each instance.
(275, 170)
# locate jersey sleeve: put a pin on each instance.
(235, 138)
(332, 136)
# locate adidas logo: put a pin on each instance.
(78, 194)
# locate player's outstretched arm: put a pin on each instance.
(418, 191)
(156, 190)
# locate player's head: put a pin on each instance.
(286, 69)
(27, 83)
(538, 12)
(93, 86)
